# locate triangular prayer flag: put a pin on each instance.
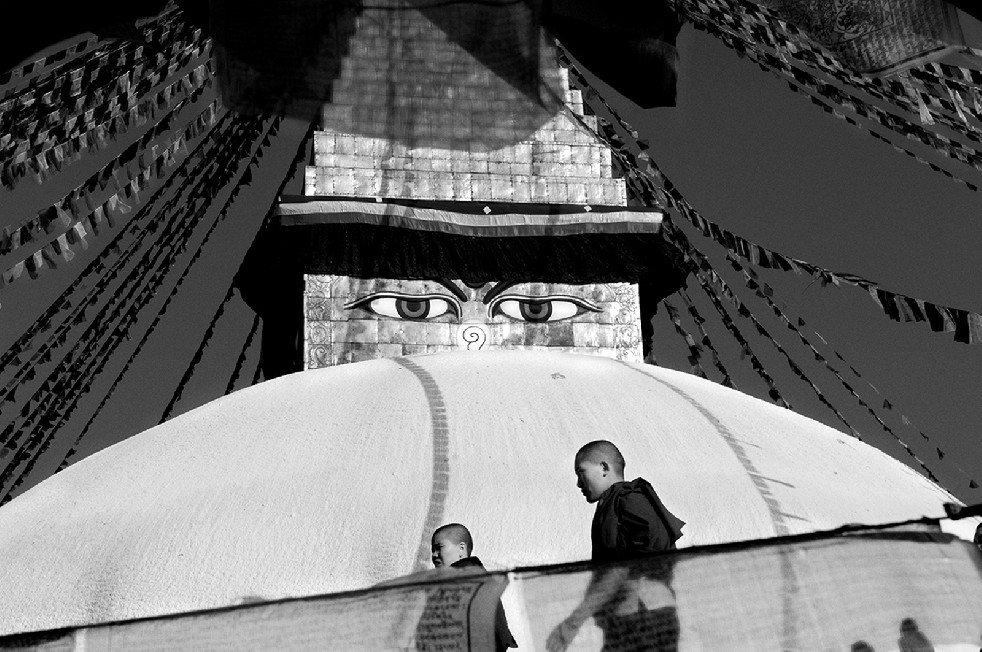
(34, 264)
(50, 255)
(63, 216)
(62, 247)
(15, 271)
(934, 317)
(76, 235)
(974, 328)
(960, 318)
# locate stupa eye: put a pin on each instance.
(540, 309)
(407, 306)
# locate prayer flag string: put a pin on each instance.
(745, 312)
(730, 244)
(240, 360)
(198, 354)
(835, 97)
(74, 231)
(21, 78)
(149, 155)
(757, 25)
(753, 285)
(888, 405)
(800, 373)
(727, 380)
(799, 84)
(655, 186)
(223, 167)
(146, 336)
(42, 99)
(35, 126)
(92, 129)
(642, 189)
(73, 364)
(695, 351)
(258, 373)
(704, 267)
(103, 270)
(705, 270)
(16, 77)
(299, 158)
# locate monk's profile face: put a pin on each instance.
(445, 551)
(592, 478)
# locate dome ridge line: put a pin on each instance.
(441, 458)
(759, 481)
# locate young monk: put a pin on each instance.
(630, 522)
(452, 543)
(451, 547)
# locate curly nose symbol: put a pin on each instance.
(472, 337)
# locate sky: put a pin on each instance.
(755, 158)
(764, 162)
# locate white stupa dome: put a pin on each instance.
(333, 479)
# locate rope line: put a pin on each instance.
(135, 353)
(97, 269)
(681, 204)
(198, 354)
(699, 320)
(61, 212)
(240, 360)
(117, 304)
(694, 349)
(641, 170)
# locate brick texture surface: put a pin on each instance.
(413, 115)
(343, 324)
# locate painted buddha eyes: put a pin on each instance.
(540, 309)
(410, 307)
(423, 307)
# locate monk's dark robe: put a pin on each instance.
(503, 638)
(632, 522)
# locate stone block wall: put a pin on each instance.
(350, 319)
(413, 115)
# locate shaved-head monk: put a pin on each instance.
(452, 543)
(630, 522)
(451, 547)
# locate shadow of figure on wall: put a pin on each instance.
(456, 616)
(913, 639)
(643, 617)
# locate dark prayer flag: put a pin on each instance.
(970, 7)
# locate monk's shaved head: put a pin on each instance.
(456, 533)
(602, 450)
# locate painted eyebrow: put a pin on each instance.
(497, 289)
(453, 287)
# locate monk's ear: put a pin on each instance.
(605, 466)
